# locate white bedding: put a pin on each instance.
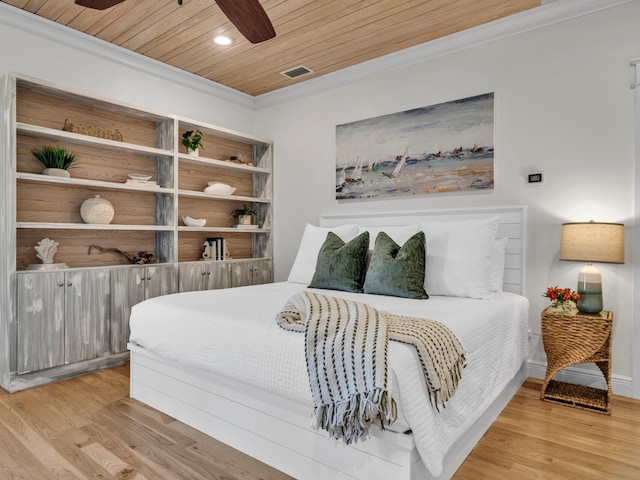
(233, 332)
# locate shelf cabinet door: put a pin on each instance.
(197, 276)
(130, 286)
(217, 276)
(192, 277)
(127, 289)
(262, 272)
(252, 272)
(87, 294)
(160, 280)
(40, 321)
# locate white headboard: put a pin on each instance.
(512, 224)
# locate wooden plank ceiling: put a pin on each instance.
(322, 35)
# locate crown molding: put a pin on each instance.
(549, 13)
(49, 30)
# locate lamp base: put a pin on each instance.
(590, 298)
(590, 290)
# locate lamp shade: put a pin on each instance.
(592, 242)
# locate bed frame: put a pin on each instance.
(277, 431)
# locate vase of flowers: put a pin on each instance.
(562, 299)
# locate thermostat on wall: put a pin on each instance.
(536, 178)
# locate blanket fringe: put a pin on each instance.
(351, 419)
(451, 379)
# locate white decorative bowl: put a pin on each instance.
(219, 188)
(139, 177)
(192, 222)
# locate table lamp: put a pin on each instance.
(592, 242)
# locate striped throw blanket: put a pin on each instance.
(346, 353)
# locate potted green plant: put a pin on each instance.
(244, 215)
(192, 141)
(56, 160)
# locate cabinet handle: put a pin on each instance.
(69, 284)
(142, 277)
(61, 284)
(149, 278)
(204, 273)
(208, 273)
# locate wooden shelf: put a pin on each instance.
(87, 226)
(211, 196)
(225, 133)
(48, 179)
(200, 160)
(224, 229)
(75, 138)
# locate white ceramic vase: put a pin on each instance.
(56, 172)
(97, 210)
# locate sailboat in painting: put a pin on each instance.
(356, 174)
(401, 160)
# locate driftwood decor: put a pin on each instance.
(140, 258)
(92, 131)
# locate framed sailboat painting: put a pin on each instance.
(446, 147)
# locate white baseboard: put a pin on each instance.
(620, 385)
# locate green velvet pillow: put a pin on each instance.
(341, 266)
(395, 271)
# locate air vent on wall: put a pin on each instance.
(297, 71)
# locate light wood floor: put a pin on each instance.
(87, 427)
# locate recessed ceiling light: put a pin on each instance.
(222, 40)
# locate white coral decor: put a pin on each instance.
(46, 249)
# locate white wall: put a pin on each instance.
(563, 105)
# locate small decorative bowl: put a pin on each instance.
(219, 188)
(192, 222)
(139, 177)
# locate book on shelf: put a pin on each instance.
(218, 248)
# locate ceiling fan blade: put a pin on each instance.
(98, 4)
(249, 18)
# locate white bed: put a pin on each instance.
(253, 394)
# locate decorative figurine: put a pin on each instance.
(207, 253)
(46, 249)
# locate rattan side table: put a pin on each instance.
(581, 338)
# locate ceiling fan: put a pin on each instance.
(248, 16)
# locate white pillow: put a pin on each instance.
(304, 266)
(496, 269)
(398, 233)
(458, 257)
